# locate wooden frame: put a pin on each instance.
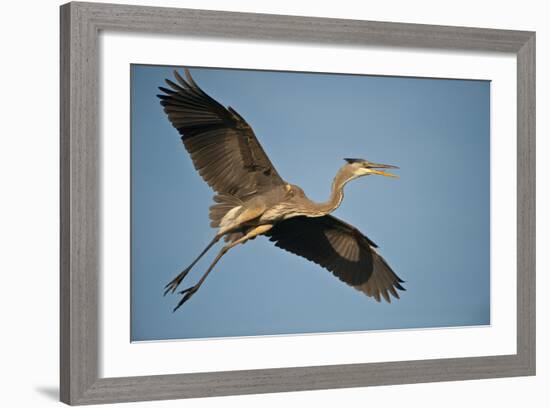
(80, 26)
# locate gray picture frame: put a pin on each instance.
(81, 24)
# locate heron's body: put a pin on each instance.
(252, 199)
(275, 205)
(281, 203)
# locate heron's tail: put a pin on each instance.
(224, 204)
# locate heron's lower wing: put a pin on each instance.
(340, 248)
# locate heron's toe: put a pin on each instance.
(187, 293)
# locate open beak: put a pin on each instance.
(374, 169)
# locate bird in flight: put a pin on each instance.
(253, 199)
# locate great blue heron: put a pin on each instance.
(252, 199)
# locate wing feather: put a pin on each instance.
(341, 249)
(222, 145)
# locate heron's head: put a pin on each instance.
(361, 167)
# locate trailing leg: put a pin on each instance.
(174, 283)
(193, 289)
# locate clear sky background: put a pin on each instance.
(431, 224)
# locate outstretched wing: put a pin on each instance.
(340, 248)
(223, 147)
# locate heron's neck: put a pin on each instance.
(337, 191)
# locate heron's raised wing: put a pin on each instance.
(340, 248)
(223, 147)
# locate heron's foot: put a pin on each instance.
(174, 283)
(187, 293)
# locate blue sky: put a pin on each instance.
(431, 224)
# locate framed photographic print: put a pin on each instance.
(291, 203)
